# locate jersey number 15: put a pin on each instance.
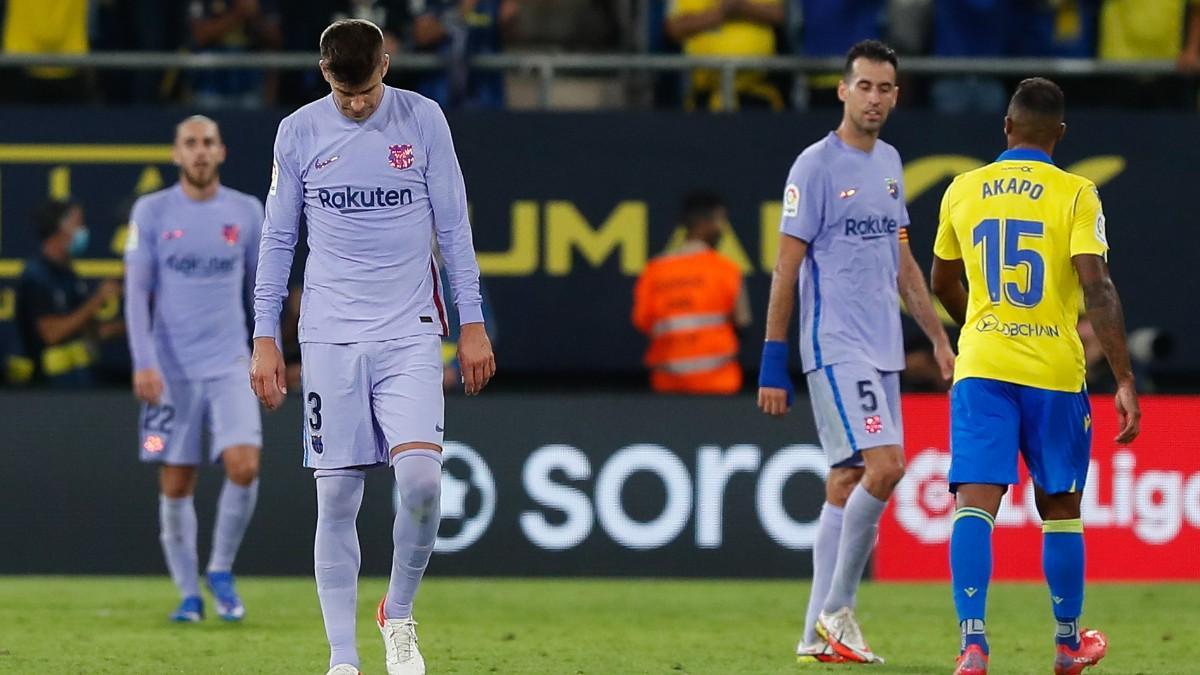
(990, 233)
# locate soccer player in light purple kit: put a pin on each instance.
(373, 170)
(191, 253)
(844, 236)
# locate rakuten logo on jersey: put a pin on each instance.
(349, 199)
(1153, 504)
(196, 266)
(872, 227)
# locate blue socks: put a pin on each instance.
(971, 571)
(1062, 562)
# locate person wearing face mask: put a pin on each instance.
(691, 302)
(56, 315)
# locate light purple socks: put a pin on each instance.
(234, 509)
(336, 558)
(825, 555)
(177, 532)
(419, 481)
(860, 526)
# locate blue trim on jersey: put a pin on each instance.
(816, 275)
(837, 401)
(1024, 155)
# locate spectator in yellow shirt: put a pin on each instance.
(1161, 29)
(734, 28)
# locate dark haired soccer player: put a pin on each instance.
(1029, 236)
(373, 170)
(844, 235)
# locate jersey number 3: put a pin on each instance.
(990, 233)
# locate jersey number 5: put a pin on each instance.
(990, 233)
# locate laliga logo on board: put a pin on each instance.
(468, 499)
(1153, 504)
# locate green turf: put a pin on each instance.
(117, 625)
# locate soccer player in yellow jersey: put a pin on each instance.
(1030, 238)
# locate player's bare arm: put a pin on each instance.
(1104, 311)
(774, 400)
(475, 357)
(268, 375)
(946, 280)
(916, 297)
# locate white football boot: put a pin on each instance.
(842, 632)
(400, 643)
(344, 669)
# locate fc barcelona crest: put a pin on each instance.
(400, 156)
(230, 234)
(893, 188)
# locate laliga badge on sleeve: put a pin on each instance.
(791, 201)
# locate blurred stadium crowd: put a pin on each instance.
(456, 30)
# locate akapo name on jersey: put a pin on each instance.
(1012, 186)
(348, 199)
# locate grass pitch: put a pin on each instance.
(610, 627)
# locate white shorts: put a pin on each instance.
(856, 408)
(172, 431)
(365, 398)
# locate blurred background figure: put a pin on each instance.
(231, 27)
(827, 28)
(1135, 30)
(732, 28)
(456, 30)
(1163, 29)
(691, 302)
(57, 317)
(38, 27)
(970, 29)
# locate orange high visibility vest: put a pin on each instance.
(685, 303)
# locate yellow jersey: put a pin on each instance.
(1016, 223)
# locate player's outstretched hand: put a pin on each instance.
(148, 385)
(1129, 414)
(773, 400)
(268, 375)
(475, 358)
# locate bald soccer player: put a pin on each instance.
(190, 259)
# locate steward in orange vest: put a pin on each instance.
(690, 301)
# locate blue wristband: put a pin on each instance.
(773, 372)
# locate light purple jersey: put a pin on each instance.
(374, 193)
(849, 206)
(194, 261)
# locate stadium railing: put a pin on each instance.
(547, 66)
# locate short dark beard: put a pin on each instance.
(183, 173)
